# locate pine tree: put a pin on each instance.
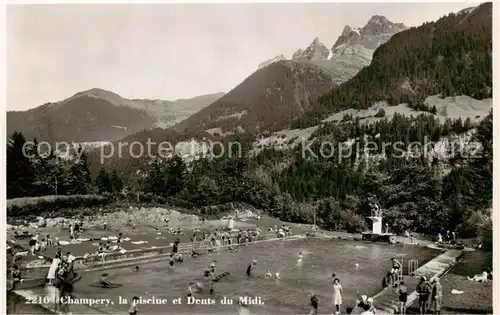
(20, 170)
(103, 182)
(116, 182)
(80, 181)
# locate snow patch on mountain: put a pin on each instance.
(271, 61)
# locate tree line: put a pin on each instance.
(32, 172)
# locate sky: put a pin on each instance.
(171, 51)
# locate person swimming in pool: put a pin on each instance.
(211, 283)
(269, 274)
(194, 287)
(277, 276)
(171, 261)
(314, 304)
(103, 280)
(212, 266)
(299, 259)
(251, 267)
(136, 269)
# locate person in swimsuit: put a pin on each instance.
(103, 280)
(269, 274)
(314, 304)
(77, 228)
(50, 241)
(437, 296)
(175, 248)
(299, 259)
(250, 267)
(193, 287)
(212, 266)
(396, 267)
(403, 297)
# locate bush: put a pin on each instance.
(49, 205)
(346, 117)
(380, 113)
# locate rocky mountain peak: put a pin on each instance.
(379, 24)
(377, 30)
(378, 19)
(297, 54)
(347, 30)
(315, 51)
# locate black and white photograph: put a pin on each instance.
(248, 158)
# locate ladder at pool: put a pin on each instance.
(412, 266)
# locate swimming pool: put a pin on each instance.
(359, 265)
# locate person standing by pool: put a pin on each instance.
(337, 295)
(403, 297)
(238, 237)
(437, 295)
(423, 292)
(396, 268)
(407, 236)
(440, 239)
(77, 227)
(175, 247)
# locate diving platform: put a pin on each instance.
(377, 234)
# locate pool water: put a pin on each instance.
(360, 267)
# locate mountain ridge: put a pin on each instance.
(269, 97)
(101, 115)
